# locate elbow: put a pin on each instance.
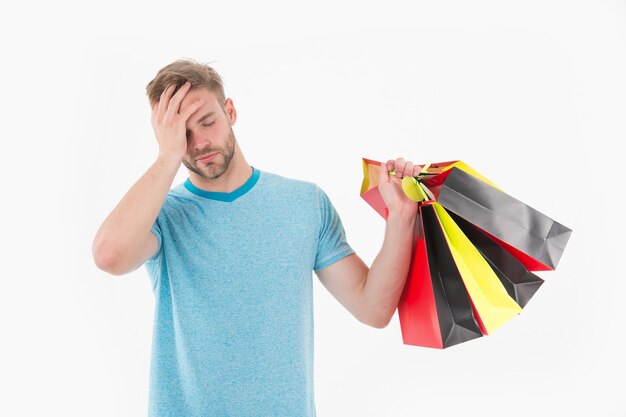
(379, 322)
(106, 259)
(377, 316)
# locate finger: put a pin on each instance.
(390, 165)
(154, 109)
(174, 105)
(383, 175)
(160, 106)
(400, 168)
(163, 101)
(191, 109)
(408, 169)
(416, 170)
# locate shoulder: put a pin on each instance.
(283, 184)
(178, 199)
(174, 198)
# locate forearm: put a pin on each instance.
(387, 275)
(126, 228)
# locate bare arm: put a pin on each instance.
(372, 294)
(387, 275)
(124, 241)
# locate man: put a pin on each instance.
(230, 252)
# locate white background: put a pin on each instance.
(531, 94)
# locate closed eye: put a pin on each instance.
(204, 124)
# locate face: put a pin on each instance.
(209, 130)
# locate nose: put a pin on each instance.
(197, 140)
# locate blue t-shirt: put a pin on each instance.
(232, 280)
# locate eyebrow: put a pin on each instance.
(200, 120)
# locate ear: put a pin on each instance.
(230, 110)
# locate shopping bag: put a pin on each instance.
(493, 273)
(435, 309)
(492, 303)
(520, 283)
(507, 219)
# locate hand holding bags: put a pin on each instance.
(474, 248)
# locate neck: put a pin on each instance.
(237, 173)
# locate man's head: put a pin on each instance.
(209, 129)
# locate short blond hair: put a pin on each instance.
(182, 70)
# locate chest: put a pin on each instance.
(274, 239)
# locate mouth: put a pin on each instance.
(207, 157)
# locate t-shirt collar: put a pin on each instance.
(233, 195)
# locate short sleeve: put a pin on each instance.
(332, 244)
(156, 231)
